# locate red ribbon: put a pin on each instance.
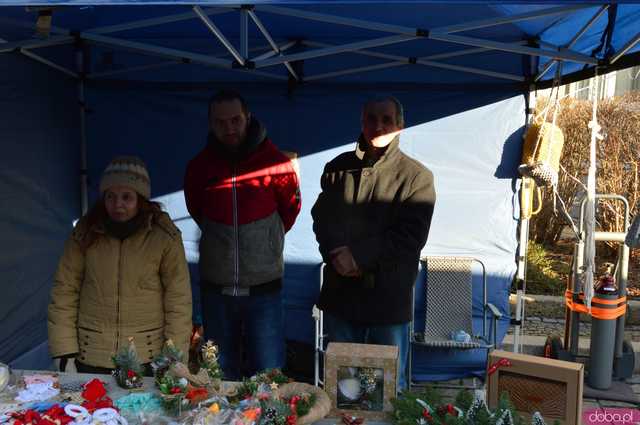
(197, 394)
(94, 390)
(54, 416)
(498, 364)
(351, 420)
(95, 396)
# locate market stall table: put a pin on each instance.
(115, 392)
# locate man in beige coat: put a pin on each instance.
(123, 274)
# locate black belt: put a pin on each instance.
(244, 291)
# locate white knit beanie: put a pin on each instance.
(128, 171)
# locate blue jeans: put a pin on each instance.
(258, 317)
(340, 330)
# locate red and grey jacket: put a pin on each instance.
(244, 202)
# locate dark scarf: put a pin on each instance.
(122, 230)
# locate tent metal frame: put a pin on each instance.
(249, 13)
(240, 60)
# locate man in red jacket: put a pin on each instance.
(244, 194)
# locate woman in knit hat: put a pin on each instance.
(123, 274)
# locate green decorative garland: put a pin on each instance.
(427, 408)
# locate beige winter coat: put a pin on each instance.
(137, 287)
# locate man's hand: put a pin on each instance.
(344, 263)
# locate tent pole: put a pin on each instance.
(334, 50)
(419, 61)
(523, 244)
(564, 54)
(49, 63)
(272, 53)
(274, 46)
(81, 68)
(216, 31)
(244, 33)
(574, 40)
(35, 43)
(484, 23)
(181, 55)
(146, 23)
(355, 70)
(133, 69)
(635, 40)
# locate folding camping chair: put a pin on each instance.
(448, 307)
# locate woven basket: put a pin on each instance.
(541, 153)
(319, 410)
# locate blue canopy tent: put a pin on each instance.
(82, 81)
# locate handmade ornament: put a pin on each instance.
(172, 393)
(500, 363)
(249, 387)
(54, 415)
(426, 408)
(41, 379)
(360, 379)
(201, 379)
(169, 355)
(72, 386)
(128, 371)
(537, 419)
(81, 416)
(274, 412)
(37, 392)
(308, 402)
(209, 362)
(368, 380)
(95, 396)
(351, 420)
(139, 402)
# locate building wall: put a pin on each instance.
(615, 83)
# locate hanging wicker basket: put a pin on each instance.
(541, 153)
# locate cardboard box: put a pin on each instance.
(361, 379)
(551, 387)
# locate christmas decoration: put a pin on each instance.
(301, 404)
(427, 408)
(351, 420)
(172, 393)
(274, 412)
(128, 371)
(249, 387)
(95, 396)
(169, 355)
(210, 360)
(368, 381)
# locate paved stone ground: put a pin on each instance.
(544, 326)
